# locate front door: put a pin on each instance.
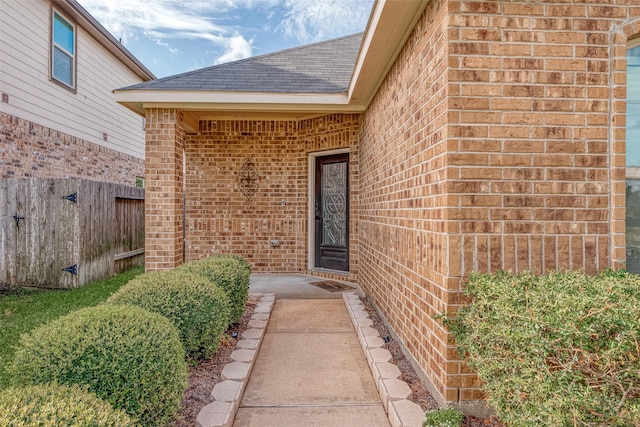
(332, 212)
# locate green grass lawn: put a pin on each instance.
(25, 310)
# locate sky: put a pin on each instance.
(176, 36)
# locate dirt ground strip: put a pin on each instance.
(419, 393)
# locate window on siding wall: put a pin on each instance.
(63, 51)
(633, 158)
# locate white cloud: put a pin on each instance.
(124, 18)
(225, 30)
(237, 48)
(313, 20)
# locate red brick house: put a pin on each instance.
(450, 137)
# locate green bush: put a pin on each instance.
(199, 310)
(231, 273)
(127, 356)
(446, 417)
(561, 349)
(51, 405)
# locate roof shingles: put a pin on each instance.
(324, 67)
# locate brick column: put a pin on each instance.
(164, 189)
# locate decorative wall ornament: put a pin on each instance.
(248, 178)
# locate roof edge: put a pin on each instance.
(138, 100)
(390, 24)
(104, 37)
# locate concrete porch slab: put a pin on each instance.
(292, 286)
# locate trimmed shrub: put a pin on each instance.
(199, 310)
(444, 417)
(560, 349)
(242, 262)
(127, 356)
(230, 272)
(52, 405)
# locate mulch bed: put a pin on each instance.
(419, 395)
(206, 374)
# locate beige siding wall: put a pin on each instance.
(87, 114)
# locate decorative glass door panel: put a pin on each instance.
(332, 212)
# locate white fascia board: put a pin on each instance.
(138, 100)
(220, 97)
(370, 30)
(390, 24)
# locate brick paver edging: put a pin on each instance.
(394, 392)
(227, 394)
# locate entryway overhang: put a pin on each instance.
(206, 105)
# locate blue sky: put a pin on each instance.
(176, 36)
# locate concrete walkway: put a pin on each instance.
(309, 358)
(310, 371)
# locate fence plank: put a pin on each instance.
(57, 233)
(96, 225)
(6, 221)
(11, 233)
(65, 239)
(21, 207)
(129, 216)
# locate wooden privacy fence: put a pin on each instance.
(65, 233)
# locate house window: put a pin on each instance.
(63, 51)
(633, 158)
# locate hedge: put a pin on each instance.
(127, 356)
(52, 405)
(230, 272)
(561, 349)
(199, 310)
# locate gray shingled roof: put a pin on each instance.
(324, 67)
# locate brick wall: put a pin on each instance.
(403, 200)
(219, 218)
(495, 142)
(164, 190)
(539, 118)
(30, 150)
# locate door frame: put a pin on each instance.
(311, 237)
